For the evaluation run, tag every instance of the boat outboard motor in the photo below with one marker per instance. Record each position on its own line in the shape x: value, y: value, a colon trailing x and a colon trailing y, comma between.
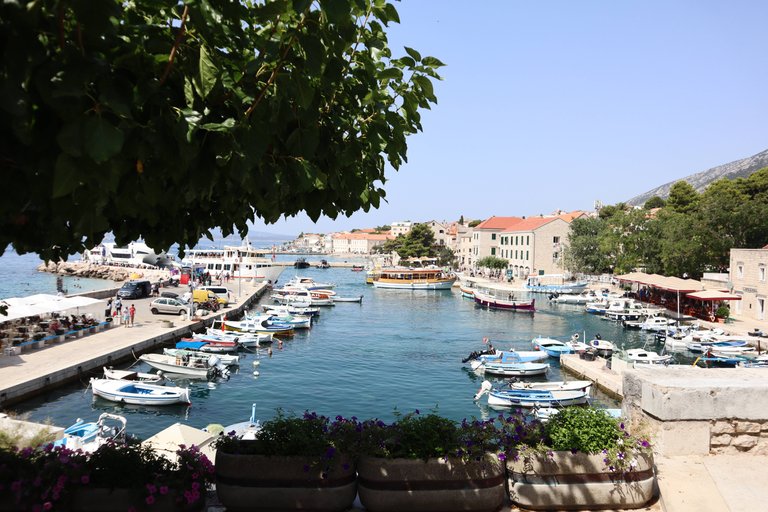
x: 470, y: 357
x: 216, y: 368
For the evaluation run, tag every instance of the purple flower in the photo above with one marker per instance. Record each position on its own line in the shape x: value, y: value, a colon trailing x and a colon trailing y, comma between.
x: 621, y: 425
x: 47, y: 505
x: 151, y: 488
x: 163, y: 490
x: 150, y: 500
x: 502, y: 456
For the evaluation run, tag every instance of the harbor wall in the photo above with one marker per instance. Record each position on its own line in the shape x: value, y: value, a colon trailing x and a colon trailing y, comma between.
x: 697, y: 411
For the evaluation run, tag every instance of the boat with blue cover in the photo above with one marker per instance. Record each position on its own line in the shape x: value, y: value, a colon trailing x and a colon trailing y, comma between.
x: 89, y: 435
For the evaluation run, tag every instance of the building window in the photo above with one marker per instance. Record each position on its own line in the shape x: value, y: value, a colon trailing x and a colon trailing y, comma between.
x: 740, y: 271
x: 526, y: 255
x: 515, y: 240
x: 555, y: 239
x: 527, y: 240
x: 761, y: 271
x: 555, y: 256
x: 493, y: 236
x: 493, y: 251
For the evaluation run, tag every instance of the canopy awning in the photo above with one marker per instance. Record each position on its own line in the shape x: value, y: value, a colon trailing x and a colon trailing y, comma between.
x: 40, y: 304
x: 672, y: 284
x: 711, y: 295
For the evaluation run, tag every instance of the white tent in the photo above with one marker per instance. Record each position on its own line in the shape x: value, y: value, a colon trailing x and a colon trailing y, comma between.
x: 40, y: 304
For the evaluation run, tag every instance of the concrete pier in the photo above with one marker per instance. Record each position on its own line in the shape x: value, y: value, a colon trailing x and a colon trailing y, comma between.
x: 609, y: 380
x: 27, y: 374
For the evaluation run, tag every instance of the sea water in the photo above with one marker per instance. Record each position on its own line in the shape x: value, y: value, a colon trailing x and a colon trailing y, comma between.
x: 396, y: 352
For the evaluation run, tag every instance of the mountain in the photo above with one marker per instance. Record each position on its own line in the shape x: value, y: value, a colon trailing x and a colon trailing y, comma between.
x: 738, y: 169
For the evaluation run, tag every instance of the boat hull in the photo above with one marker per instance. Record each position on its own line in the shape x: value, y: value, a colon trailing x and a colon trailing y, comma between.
x: 488, y: 301
x: 139, y: 394
x: 415, y: 285
x: 165, y: 364
x: 514, y: 369
x: 521, y: 398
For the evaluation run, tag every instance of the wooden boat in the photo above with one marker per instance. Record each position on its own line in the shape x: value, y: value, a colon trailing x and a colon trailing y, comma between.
x: 347, y: 299
x: 152, y: 378
x: 403, y: 278
x: 194, y: 367
x: 466, y: 292
x: 491, y: 302
x: 511, y: 369
x: 507, y: 356
x: 139, y: 393
x: 570, y: 385
x: 554, y: 348
x: 531, y: 397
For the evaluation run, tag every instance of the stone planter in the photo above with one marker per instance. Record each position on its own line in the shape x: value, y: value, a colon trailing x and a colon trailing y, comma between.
x: 578, y: 482
x: 258, y: 482
x: 100, y: 499
x: 404, y: 485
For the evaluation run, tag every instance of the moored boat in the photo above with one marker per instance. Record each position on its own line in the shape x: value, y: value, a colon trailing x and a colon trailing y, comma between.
x: 531, y: 397
x: 554, y: 283
x: 235, y: 262
x: 88, y: 436
x: 186, y: 365
x: 570, y: 385
x: 521, y: 369
x: 491, y: 302
x: 554, y: 348
x: 402, y: 278
x: 228, y: 359
x: 139, y: 393
x: 639, y: 355
x: 152, y: 378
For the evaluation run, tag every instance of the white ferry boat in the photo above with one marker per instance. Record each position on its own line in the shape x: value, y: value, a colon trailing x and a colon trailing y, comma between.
x: 414, y: 279
x: 237, y: 262
x: 134, y: 254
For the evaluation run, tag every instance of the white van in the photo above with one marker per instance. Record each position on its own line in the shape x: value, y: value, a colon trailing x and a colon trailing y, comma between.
x: 222, y: 292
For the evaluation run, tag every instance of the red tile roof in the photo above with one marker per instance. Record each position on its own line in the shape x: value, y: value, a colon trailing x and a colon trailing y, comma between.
x: 499, y: 223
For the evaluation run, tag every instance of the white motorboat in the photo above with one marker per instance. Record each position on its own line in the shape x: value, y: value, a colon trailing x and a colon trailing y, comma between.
x: 244, y: 339
x: 187, y: 365
x: 89, y: 435
x: 139, y: 393
x: 152, y: 378
x: 291, y: 309
x: 308, y: 283
x: 639, y: 355
x: 604, y: 348
x: 295, y: 321
x: 245, y: 429
x: 574, y: 298
x: 228, y: 359
x: 657, y: 323
x: 511, y: 369
x: 358, y: 299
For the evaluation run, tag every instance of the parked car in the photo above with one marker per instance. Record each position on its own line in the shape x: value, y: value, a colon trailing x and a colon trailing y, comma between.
x: 168, y: 305
x: 135, y: 290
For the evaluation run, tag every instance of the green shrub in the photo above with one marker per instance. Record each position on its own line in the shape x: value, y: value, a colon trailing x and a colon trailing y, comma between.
x: 583, y: 429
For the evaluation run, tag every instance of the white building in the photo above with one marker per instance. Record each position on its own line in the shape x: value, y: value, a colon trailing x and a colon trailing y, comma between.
x: 358, y: 243
x: 401, y: 228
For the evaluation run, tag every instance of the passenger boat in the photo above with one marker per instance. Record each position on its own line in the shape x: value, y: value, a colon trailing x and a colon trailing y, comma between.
x: 489, y: 301
x: 238, y: 262
x: 554, y: 348
x: 139, y: 393
x: 531, y: 397
x: 554, y: 283
x: 425, y: 278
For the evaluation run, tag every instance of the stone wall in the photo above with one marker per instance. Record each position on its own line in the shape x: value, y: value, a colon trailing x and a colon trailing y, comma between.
x: 695, y: 411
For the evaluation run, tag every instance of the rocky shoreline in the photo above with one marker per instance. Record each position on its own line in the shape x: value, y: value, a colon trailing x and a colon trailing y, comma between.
x: 95, y: 271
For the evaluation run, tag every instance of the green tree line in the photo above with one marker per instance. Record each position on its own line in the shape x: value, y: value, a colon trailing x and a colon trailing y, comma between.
x: 689, y: 233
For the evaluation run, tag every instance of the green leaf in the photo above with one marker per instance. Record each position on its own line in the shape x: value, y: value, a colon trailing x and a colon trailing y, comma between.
x: 66, y: 176
x: 337, y: 11
x: 70, y: 138
x: 390, y: 74
x: 208, y: 73
x: 102, y: 140
x: 224, y: 126
x: 413, y: 53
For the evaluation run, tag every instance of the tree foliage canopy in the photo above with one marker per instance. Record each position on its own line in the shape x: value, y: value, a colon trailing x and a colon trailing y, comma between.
x: 492, y: 262
x: 691, y: 234
x: 419, y: 242
x: 163, y: 119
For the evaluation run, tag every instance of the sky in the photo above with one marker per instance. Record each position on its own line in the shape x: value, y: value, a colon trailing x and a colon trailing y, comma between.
x: 548, y: 105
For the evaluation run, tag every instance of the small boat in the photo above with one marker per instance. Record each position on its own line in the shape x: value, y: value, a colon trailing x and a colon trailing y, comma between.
x: 348, y: 299
x: 358, y: 268
x: 531, y: 397
x: 554, y: 385
x: 467, y: 293
x: 323, y: 264
x: 511, y: 369
x: 639, y: 355
x: 301, y: 263
x: 227, y: 359
x: 260, y: 326
x: 491, y: 302
x: 291, y: 310
x: 152, y: 378
x: 139, y: 393
x: 307, y: 283
x: 89, y: 435
x: 244, y: 339
x: 573, y: 298
x: 186, y: 365
x: 554, y: 283
x: 554, y: 348
x: 282, y: 321
x: 504, y: 357
x: 210, y: 343
x: 604, y: 348
x: 656, y: 323
x: 703, y: 346
x: 246, y: 429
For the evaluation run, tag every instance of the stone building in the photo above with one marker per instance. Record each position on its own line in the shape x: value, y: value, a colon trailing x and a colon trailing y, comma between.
x: 748, y: 269
x: 358, y: 243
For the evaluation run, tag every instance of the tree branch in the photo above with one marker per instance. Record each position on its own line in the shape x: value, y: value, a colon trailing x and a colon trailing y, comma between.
x: 176, y: 43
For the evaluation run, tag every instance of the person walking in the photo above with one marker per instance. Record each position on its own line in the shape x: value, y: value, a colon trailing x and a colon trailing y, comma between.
x: 108, y: 310
x: 132, y: 313
x: 119, y: 306
x: 126, y: 317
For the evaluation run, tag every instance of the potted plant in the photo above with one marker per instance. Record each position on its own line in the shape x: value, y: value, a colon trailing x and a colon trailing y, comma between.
x: 427, y: 462
x: 116, y: 477
x: 294, y: 462
x: 722, y: 313
x: 585, y: 459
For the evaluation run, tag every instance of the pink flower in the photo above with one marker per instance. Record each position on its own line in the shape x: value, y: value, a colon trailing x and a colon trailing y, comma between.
x: 85, y: 479
x: 47, y: 505
x: 163, y: 490
x: 151, y: 488
x: 150, y: 500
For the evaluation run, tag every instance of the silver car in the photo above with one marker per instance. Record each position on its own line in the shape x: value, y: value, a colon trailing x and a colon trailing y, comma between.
x: 168, y: 305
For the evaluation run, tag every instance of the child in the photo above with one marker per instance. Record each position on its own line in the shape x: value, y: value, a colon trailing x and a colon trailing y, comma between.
x: 126, y: 317
x: 132, y: 313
